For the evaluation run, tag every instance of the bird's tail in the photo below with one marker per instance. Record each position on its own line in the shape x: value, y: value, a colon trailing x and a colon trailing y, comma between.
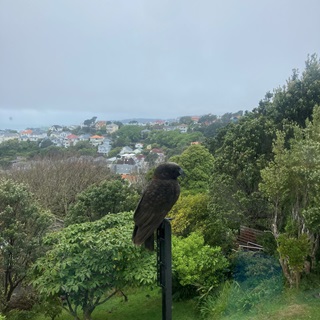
x: 148, y: 243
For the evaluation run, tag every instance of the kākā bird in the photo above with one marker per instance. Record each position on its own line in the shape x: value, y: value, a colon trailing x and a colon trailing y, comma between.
x: 157, y: 200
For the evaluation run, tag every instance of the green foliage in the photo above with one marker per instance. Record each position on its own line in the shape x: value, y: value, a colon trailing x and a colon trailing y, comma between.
x: 110, y: 196
x: 50, y: 307
x: 192, y: 213
x: 20, y: 315
x: 294, y: 250
x: 252, y: 268
x: 174, y: 142
x: 295, y: 101
x: 88, y: 263
x: 239, y: 155
x: 196, y: 264
x: 12, y: 149
x: 185, y: 120
x: 114, y: 152
x: 126, y: 135
x: 83, y: 148
x: 197, y: 163
x: 23, y: 224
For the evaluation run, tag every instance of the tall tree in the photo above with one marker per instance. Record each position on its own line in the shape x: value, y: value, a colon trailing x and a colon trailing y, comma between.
x: 22, y: 227
x: 197, y: 163
x: 291, y: 183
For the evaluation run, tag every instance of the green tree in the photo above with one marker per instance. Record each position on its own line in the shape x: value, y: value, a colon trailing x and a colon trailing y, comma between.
x: 293, y: 253
x: 197, y: 163
x: 294, y: 102
x: 110, y: 196
x: 89, y: 263
x: 12, y: 149
x: 186, y: 120
x: 240, y: 152
x: 291, y: 184
x: 126, y: 135
x: 90, y: 122
x: 192, y: 213
x: 23, y: 224
x: 84, y: 148
x: 173, y: 142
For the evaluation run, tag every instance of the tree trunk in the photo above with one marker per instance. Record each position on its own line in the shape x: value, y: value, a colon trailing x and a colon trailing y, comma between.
x: 286, y: 272
x: 87, y: 314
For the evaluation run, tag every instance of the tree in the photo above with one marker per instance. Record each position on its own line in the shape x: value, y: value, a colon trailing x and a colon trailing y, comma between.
x: 186, y: 120
x: 291, y: 184
x: 56, y: 181
x: 110, y: 196
x: 12, y: 149
x: 22, y: 227
x: 295, y: 101
x: 197, y: 163
x: 90, y: 122
x: 126, y: 135
x: 89, y: 263
x: 173, y: 141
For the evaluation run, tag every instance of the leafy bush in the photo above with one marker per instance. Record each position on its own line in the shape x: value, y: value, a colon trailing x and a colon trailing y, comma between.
x: 195, y: 265
x: 20, y: 315
x: 254, y: 267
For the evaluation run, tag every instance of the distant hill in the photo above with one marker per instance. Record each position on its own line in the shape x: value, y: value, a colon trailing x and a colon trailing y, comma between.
x: 145, y: 120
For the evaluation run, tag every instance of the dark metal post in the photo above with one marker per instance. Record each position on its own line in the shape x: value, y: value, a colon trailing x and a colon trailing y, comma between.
x: 164, y: 267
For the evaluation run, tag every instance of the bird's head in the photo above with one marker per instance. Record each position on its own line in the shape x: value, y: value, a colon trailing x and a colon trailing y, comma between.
x: 168, y: 170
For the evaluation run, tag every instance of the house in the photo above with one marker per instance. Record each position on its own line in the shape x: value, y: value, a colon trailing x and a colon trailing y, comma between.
x: 56, y: 128
x: 30, y: 135
x: 138, y: 145
x: 70, y: 140
x: 126, y: 149
x: 100, y: 124
x: 105, y: 147
x: 112, y: 127
x: 123, y: 168
x: 96, y: 140
x: 84, y: 137
x: 170, y: 128
x: 183, y: 128
x: 159, y: 153
x: 195, y: 119
x: 5, y: 136
x: 130, y: 178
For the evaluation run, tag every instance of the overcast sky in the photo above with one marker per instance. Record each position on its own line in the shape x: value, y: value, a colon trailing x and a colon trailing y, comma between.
x: 65, y: 61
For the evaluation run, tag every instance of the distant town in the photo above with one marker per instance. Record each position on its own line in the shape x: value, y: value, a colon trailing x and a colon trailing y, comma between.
x: 129, y: 158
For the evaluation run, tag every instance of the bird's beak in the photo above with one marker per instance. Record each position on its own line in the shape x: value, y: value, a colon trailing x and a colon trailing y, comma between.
x: 182, y: 173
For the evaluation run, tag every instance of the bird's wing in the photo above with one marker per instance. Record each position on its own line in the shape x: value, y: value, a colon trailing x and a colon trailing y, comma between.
x: 156, y: 201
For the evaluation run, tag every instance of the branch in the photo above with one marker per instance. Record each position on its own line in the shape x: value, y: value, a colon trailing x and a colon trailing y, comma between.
x: 107, y: 298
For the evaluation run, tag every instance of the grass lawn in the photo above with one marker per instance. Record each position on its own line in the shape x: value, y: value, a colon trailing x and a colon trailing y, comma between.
x: 145, y: 304
x: 291, y: 305
x: 142, y: 304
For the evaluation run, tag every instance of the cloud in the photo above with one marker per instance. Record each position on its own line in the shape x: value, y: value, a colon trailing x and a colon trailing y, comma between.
x: 160, y: 58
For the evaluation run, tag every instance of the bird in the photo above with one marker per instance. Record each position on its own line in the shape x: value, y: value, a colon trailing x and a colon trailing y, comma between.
x: 156, y: 201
